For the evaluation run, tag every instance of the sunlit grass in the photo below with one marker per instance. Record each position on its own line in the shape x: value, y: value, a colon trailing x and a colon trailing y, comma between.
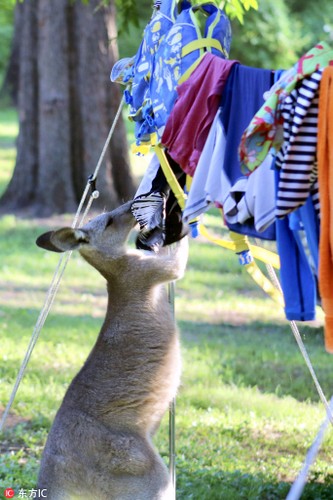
x: 7, y: 161
x: 8, y: 133
x: 8, y: 125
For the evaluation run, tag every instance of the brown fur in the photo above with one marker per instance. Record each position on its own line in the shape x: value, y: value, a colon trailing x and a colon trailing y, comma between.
x: 100, y: 443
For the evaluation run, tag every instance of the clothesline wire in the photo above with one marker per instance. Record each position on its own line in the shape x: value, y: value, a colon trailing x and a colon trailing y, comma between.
x: 50, y: 296
x: 296, y: 490
x: 172, y: 407
x: 60, y: 269
x: 298, y: 486
x: 300, y: 343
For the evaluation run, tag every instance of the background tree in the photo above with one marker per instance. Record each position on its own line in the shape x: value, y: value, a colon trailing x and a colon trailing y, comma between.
x: 66, y: 104
x: 65, y: 100
x: 265, y: 38
x: 280, y: 32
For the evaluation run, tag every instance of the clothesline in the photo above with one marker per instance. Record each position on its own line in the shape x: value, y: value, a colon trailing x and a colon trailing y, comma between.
x: 208, y: 137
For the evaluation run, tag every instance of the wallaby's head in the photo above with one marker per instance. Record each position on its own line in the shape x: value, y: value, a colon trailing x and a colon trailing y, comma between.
x: 100, y: 241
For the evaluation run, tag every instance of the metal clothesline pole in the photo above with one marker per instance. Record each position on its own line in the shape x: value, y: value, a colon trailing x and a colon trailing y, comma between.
x: 172, y: 409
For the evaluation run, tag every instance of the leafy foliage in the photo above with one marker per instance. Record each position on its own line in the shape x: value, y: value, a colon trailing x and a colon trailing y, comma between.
x: 270, y: 38
x: 6, y: 32
x: 315, y: 19
x: 129, y: 11
x: 237, y: 8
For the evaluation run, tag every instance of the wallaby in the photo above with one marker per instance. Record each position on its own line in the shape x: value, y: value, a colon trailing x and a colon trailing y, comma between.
x: 99, y: 446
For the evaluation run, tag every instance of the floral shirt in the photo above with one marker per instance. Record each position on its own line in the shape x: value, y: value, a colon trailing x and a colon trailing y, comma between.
x: 265, y: 130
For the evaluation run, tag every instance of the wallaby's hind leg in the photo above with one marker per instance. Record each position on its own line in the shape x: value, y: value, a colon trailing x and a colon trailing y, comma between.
x: 104, y: 464
x: 122, y: 487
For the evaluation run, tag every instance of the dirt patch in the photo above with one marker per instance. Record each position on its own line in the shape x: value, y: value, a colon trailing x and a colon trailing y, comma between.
x: 11, y: 441
x: 12, y: 420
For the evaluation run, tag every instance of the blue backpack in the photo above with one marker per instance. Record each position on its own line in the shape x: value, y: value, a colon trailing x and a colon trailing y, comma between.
x: 174, y: 41
x: 197, y: 30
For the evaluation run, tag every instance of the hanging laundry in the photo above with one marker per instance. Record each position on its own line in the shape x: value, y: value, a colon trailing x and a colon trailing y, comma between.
x: 207, y: 184
x: 265, y: 130
x: 306, y: 220
x: 254, y: 198
x: 146, y: 184
x: 297, y: 157
x: 190, y: 120
x: 199, y: 106
x: 297, y: 278
x: 156, y: 209
x: 325, y: 176
x: 211, y: 185
x: 218, y: 169
x: 241, y: 99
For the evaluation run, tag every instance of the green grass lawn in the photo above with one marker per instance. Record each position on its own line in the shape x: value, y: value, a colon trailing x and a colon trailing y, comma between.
x: 247, y: 409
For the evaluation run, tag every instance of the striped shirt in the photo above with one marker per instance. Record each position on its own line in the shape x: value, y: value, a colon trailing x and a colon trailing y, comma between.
x: 297, y: 158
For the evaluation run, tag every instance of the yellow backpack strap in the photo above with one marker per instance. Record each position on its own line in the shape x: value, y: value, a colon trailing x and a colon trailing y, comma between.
x: 140, y: 149
x: 237, y: 244
x: 261, y: 280
x: 188, y: 183
x: 244, y: 251
x: 266, y: 256
x: 170, y: 177
x: 203, y: 43
x: 199, y: 44
x: 185, y: 76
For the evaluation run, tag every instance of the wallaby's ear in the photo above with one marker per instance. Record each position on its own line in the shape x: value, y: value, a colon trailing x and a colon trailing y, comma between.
x: 62, y: 240
x: 44, y: 241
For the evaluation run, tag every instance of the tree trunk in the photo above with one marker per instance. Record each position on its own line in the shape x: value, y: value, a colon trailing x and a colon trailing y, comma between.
x: 66, y: 106
x: 92, y: 80
x: 54, y: 190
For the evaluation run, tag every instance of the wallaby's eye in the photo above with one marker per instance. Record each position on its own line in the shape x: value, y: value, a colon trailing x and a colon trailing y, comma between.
x: 109, y: 222
x: 81, y: 236
x: 83, y: 239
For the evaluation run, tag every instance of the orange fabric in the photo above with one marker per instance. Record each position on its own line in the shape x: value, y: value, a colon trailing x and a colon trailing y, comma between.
x: 325, y: 176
